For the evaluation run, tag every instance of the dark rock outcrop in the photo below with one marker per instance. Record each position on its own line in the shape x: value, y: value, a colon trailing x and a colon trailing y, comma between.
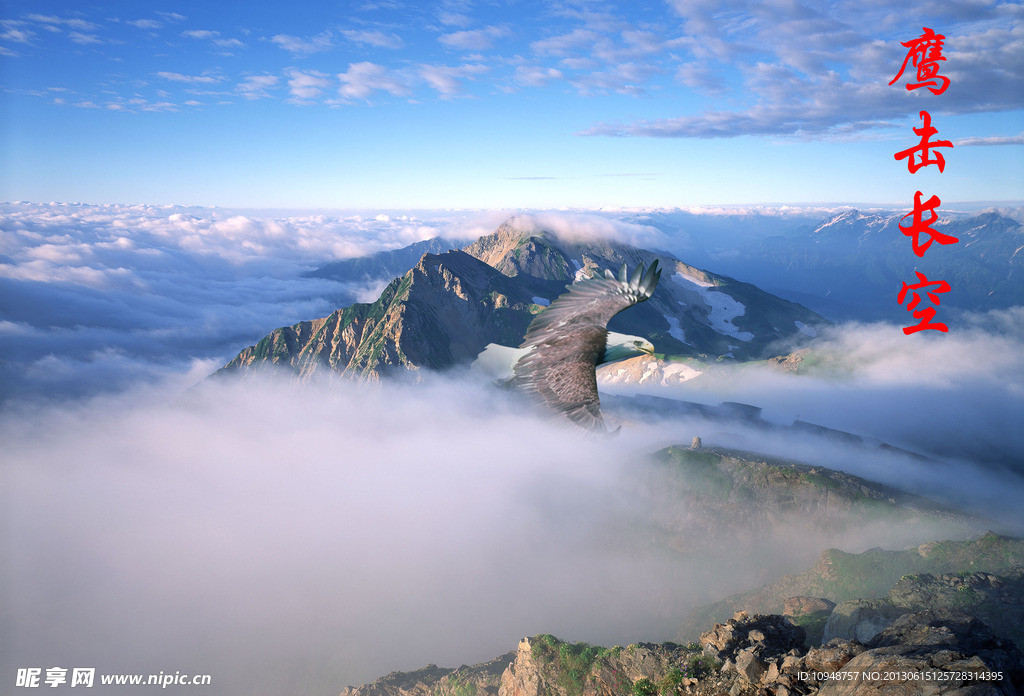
x: 996, y: 599
x: 441, y: 313
x: 860, y: 619
x: 840, y: 576
x: 932, y: 652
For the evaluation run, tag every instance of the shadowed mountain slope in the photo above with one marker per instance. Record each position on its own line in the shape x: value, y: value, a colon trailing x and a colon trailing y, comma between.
x: 445, y: 310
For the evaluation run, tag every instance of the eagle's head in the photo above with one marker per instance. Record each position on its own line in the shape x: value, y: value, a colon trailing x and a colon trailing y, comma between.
x: 621, y: 346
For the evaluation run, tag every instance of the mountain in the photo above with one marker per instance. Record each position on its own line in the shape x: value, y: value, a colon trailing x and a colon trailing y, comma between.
x: 441, y: 313
x: 840, y: 576
x: 852, y: 265
x: 384, y: 264
x: 447, y: 308
x: 928, y: 639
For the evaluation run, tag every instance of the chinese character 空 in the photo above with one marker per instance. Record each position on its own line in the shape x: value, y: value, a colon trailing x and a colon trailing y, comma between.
x: 918, y: 226
x: 925, y: 315
x: 924, y: 54
x: 921, y: 150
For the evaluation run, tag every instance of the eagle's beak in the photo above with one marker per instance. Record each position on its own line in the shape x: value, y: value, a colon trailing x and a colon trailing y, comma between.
x: 647, y: 347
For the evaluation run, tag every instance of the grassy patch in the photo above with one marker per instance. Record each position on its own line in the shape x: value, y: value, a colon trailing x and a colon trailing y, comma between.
x: 570, y: 663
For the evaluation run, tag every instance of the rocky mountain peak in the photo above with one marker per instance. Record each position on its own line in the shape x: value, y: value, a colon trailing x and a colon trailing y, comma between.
x: 445, y: 309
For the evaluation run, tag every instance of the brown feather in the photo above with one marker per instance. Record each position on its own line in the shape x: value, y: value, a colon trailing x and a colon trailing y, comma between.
x: 567, y: 340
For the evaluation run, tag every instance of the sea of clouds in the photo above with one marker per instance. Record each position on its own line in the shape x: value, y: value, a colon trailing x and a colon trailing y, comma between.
x: 297, y: 538
x: 103, y: 297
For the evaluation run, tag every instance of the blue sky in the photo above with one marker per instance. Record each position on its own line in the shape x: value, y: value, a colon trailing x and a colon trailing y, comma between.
x: 500, y: 104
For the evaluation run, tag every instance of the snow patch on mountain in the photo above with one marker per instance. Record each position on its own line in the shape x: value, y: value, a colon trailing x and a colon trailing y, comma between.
x: 675, y: 331
x: 723, y: 308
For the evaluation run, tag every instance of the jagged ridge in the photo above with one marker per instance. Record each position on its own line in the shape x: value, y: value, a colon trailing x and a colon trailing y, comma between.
x: 449, y: 306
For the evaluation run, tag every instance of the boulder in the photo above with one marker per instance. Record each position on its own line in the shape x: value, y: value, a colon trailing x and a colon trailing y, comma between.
x: 764, y: 636
x: 860, y: 619
x: 749, y: 666
x: 932, y: 652
x: 798, y: 606
x: 832, y: 656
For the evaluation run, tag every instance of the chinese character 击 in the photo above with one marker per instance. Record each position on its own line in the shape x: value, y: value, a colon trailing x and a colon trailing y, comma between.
x: 925, y: 315
x: 83, y: 676
x: 919, y: 227
x: 925, y: 131
x: 924, y: 54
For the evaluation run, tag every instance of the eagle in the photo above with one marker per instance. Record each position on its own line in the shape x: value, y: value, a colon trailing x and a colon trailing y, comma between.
x: 565, y: 343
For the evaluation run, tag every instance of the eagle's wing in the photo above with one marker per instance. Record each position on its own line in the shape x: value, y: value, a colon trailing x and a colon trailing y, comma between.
x: 567, y: 340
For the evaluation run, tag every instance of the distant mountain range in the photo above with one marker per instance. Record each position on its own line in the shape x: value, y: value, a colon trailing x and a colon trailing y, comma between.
x: 852, y: 265
x: 445, y: 309
x: 384, y: 264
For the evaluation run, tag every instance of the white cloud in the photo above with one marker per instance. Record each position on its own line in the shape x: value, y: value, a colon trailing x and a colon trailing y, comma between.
x: 145, y: 23
x: 257, y: 86
x: 54, y: 21
x: 535, y: 75
x: 84, y: 39
x: 373, y: 38
x: 701, y: 76
x: 15, y: 34
x: 160, y: 286
x: 582, y: 227
x: 819, y: 72
x: 213, y: 37
x: 454, y: 19
x: 473, y: 39
x: 566, y: 43
x: 447, y: 80
x: 204, y: 79
x: 626, y: 78
x: 993, y: 140
x: 201, y: 34
x: 307, y: 85
x: 362, y: 79
x: 305, y: 46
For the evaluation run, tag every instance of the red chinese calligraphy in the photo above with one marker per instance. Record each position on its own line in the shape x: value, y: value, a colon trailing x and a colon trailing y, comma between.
x: 924, y: 54
x: 917, y: 156
x: 919, y: 226
x: 927, y: 314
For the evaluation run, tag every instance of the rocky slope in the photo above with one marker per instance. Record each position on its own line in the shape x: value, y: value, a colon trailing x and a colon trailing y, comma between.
x: 479, y: 680
x: 442, y: 312
x: 839, y: 577
x: 931, y: 644
x: 937, y: 651
x: 997, y: 599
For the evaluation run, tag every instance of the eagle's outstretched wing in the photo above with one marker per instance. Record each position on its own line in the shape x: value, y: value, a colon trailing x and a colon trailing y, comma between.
x: 567, y: 341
